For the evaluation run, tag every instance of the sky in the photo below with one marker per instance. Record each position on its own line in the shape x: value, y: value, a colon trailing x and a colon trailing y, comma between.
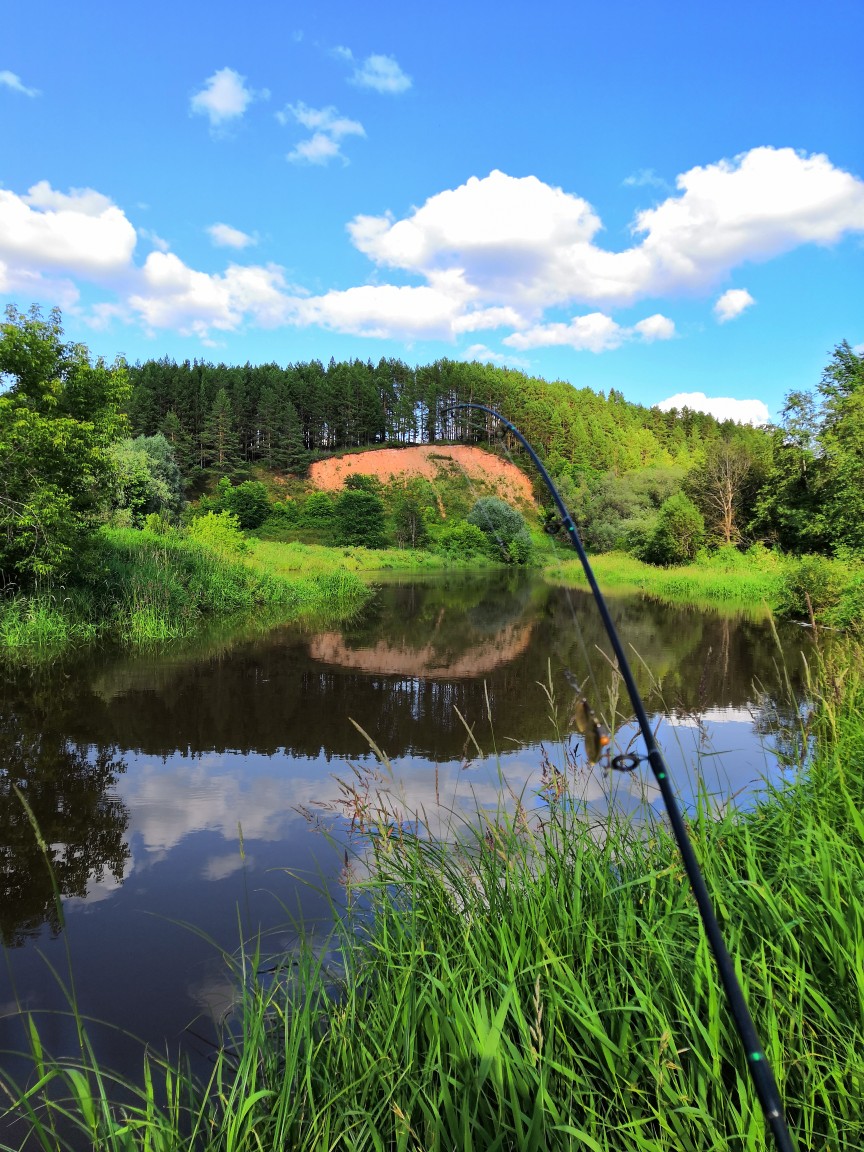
x: 661, y: 197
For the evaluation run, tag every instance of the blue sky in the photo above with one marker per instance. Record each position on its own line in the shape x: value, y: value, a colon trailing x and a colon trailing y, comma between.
x: 662, y: 197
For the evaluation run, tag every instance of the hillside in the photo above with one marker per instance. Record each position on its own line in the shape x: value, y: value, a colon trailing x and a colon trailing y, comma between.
x: 494, y: 475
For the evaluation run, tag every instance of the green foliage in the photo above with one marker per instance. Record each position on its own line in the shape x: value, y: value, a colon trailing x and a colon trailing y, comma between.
x: 504, y: 527
x: 813, y: 499
x: 317, y: 510
x: 618, y: 511
x: 147, y: 479
x: 58, y: 417
x: 678, y: 533
x: 462, y: 541
x: 360, y: 482
x: 248, y: 501
x: 219, y: 531
x: 409, y: 523
x: 360, y: 519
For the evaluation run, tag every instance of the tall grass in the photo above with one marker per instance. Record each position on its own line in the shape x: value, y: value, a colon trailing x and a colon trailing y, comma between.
x: 142, y: 587
x: 717, y: 580
x: 540, y: 981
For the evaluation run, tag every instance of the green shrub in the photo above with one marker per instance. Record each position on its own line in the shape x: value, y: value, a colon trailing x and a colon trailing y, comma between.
x: 504, y: 528
x: 219, y: 531
x: 318, y: 510
x: 360, y: 519
x: 248, y: 501
x: 461, y: 540
x: 678, y: 533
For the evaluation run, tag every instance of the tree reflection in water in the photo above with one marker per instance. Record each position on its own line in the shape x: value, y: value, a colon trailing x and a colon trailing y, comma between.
x: 67, y: 787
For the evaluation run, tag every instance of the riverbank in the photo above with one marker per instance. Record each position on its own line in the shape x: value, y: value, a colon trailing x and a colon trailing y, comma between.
x: 141, y: 587
x: 816, y: 589
x: 528, y: 983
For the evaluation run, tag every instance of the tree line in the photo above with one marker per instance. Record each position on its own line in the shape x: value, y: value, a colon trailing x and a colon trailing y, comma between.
x: 221, y: 418
x: 80, y: 438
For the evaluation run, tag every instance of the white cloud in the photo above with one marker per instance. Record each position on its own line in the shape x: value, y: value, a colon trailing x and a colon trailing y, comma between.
x: 10, y: 80
x: 592, y: 333
x: 224, y: 236
x: 500, y: 252
x: 172, y: 295
x: 224, y: 97
x: 384, y: 311
x: 523, y: 242
x: 595, y: 332
x: 732, y: 304
x: 328, y: 128
x: 722, y: 407
x: 655, y: 327
x: 318, y: 149
x: 154, y: 238
x: 486, y: 356
x: 645, y: 178
x: 383, y: 74
x: 81, y: 232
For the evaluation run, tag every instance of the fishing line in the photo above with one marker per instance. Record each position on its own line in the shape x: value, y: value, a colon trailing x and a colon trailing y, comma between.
x: 758, y: 1065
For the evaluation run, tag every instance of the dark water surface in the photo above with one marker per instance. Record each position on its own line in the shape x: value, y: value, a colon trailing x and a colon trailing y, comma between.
x: 171, y: 788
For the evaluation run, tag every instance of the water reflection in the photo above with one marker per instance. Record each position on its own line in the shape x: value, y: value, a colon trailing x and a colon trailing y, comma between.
x: 66, y: 786
x: 172, y: 786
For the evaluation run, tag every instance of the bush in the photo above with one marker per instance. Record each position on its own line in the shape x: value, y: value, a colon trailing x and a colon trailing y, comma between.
x: 812, y: 586
x: 678, y: 534
x: 504, y: 528
x: 360, y: 519
x: 462, y: 540
x: 219, y: 531
x: 248, y: 501
x: 318, y: 510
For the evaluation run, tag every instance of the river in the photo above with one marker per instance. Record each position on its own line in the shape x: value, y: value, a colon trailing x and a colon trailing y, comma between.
x: 194, y: 796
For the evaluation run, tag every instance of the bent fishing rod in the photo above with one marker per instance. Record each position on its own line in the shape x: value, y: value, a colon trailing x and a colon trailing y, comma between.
x: 758, y: 1065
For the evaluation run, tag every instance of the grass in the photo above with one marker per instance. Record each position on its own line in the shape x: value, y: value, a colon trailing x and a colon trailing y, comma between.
x: 539, y: 981
x: 718, y: 580
x: 142, y: 588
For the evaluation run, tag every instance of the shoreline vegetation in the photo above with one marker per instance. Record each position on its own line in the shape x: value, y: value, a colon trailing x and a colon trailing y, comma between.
x: 145, y: 587
x: 537, y: 979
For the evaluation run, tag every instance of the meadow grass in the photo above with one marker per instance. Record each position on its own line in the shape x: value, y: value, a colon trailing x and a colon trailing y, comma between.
x: 711, y: 582
x: 143, y: 588
x: 539, y: 980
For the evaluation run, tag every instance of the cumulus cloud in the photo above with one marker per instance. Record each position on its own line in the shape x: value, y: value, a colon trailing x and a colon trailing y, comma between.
x: 595, y: 332
x: 328, y: 129
x: 172, y: 295
x: 224, y: 98
x: 535, y: 245
x: 224, y: 236
x: 382, y: 74
x: 10, y: 80
x: 732, y: 304
x: 655, y: 327
x: 722, y: 407
x: 498, y: 252
x: 80, y: 232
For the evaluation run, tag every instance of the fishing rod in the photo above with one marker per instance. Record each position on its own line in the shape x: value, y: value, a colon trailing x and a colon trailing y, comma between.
x: 758, y: 1065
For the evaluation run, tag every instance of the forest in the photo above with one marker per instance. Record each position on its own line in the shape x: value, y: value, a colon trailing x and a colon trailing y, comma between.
x: 85, y: 444
x: 798, y: 485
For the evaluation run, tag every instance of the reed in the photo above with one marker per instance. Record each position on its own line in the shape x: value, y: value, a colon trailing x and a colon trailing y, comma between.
x: 539, y: 980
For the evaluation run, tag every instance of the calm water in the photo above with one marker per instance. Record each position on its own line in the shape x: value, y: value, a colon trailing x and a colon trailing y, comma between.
x: 174, y: 789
